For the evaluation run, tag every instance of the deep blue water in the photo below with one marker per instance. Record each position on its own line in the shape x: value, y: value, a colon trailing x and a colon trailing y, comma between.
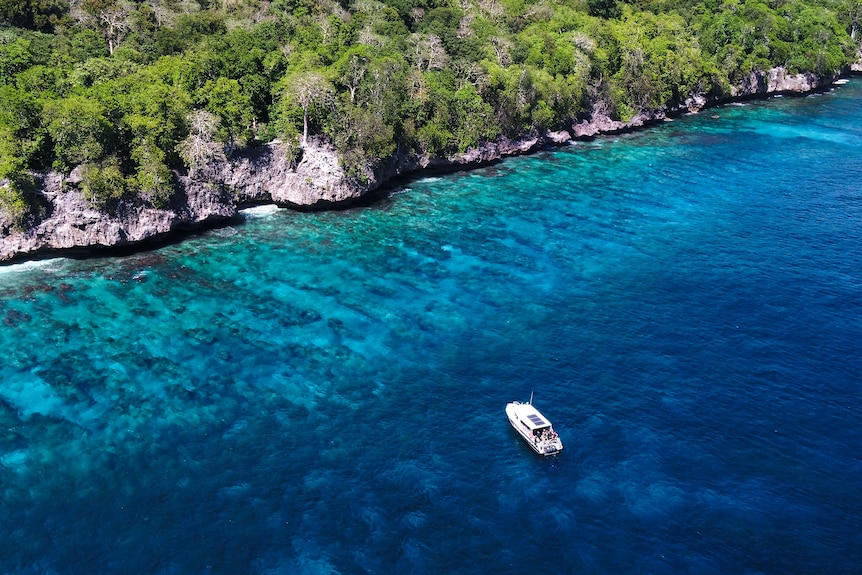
x: 324, y: 393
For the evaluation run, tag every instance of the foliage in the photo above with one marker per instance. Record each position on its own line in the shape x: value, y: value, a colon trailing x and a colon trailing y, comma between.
x: 199, y: 149
x: 138, y: 90
x: 79, y: 130
x: 310, y: 91
x: 104, y: 183
x: 224, y: 98
x: 15, y: 182
x: 152, y: 176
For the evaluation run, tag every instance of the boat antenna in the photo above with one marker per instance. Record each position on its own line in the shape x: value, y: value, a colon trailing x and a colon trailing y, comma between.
x: 531, y: 397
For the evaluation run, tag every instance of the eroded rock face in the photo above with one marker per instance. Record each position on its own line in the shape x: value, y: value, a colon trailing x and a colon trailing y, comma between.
x: 487, y: 152
x: 262, y: 175
x: 266, y: 174
x: 776, y: 81
x: 73, y: 223
x: 600, y: 123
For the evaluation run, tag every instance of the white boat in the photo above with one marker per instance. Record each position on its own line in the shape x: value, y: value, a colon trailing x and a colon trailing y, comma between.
x: 534, y: 427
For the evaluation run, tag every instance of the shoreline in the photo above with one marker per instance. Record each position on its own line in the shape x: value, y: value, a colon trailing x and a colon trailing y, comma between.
x: 75, y: 230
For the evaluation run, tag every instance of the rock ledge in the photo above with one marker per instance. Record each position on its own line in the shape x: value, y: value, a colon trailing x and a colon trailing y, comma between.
x: 316, y: 181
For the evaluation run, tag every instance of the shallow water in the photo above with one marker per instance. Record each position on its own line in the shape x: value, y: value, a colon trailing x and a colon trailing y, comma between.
x: 324, y: 393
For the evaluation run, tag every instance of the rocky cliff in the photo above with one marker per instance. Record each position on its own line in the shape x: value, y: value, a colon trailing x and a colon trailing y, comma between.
x: 757, y: 84
x: 264, y: 174
x: 70, y: 223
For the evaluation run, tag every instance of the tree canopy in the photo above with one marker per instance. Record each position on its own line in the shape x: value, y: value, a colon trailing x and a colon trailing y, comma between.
x: 135, y: 90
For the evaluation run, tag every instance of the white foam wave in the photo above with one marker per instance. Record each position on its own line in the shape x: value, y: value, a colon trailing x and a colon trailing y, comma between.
x: 48, y: 264
x: 260, y: 211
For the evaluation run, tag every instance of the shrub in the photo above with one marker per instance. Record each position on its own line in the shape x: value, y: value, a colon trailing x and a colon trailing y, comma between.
x: 104, y: 184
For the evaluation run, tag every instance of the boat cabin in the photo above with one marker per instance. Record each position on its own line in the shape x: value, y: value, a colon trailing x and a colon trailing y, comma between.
x: 532, y: 421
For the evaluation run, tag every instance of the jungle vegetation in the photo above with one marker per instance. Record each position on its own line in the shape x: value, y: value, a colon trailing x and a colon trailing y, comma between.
x: 136, y: 91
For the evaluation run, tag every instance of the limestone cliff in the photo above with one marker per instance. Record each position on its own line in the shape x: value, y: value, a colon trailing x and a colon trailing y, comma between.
x: 316, y: 180
x: 756, y: 84
x: 261, y: 175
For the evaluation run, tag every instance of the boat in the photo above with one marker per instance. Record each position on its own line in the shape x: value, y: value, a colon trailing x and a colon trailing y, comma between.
x: 534, y: 427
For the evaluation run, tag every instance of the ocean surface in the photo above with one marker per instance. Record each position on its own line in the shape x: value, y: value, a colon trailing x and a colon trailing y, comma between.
x: 324, y: 393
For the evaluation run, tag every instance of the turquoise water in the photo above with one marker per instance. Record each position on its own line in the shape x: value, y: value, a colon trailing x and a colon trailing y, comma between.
x: 324, y: 393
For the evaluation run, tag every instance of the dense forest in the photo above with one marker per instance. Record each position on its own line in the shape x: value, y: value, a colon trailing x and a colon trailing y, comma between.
x: 134, y: 92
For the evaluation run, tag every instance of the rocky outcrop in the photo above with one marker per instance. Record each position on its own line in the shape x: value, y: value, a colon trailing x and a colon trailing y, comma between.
x: 262, y: 175
x: 778, y: 81
x: 313, y: 180
x: 756, y: 84
x: 71, y: 223
x: 267, y: 174
x: 598, y: 122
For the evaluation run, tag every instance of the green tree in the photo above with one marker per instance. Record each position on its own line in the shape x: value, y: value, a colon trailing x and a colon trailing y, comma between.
x: 352, y: 67
x: 473, y: 117
x: 15, y: 182
x: 104, y: 183
x: 20, y: 120
x: 152, y: 178
x: 79, y: 130
x: 308, y: 90
x: 154, y: 111
x: 820, y: 43
x: 364, y: 141
x: 15, y: 57
x: 225, y: 99
x: 603, y: 8
x: 40, y: 15
x: 200, y: 150
x: 111, y: 18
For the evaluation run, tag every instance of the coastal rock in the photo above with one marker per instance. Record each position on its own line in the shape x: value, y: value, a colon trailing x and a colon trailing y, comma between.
x: 776, y: 81
x: 73, y: 223
x: 695, y: 103
x: 560, y: 137
x: 493, y: 151
x: 485, y: 153
x: 312, y: 180
x: 261, y: 175
x: 266, y: 174
x: 600, y: 123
